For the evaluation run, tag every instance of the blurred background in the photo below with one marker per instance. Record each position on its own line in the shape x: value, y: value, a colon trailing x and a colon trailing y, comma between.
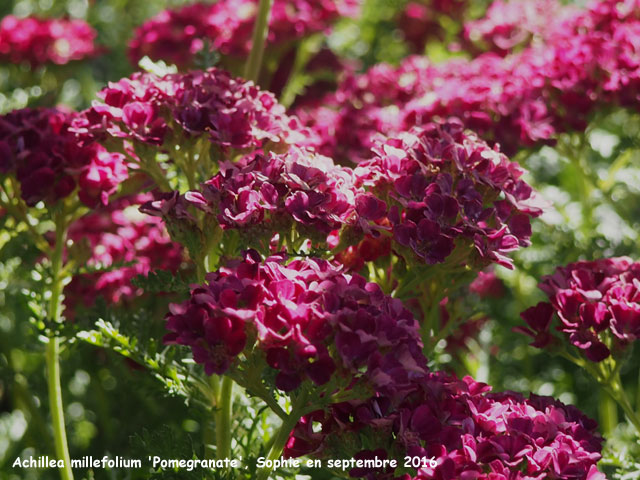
x: 113, y: 407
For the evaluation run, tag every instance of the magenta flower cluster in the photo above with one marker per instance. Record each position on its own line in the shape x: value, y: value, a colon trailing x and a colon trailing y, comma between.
x: 307, y: 318
x: 597, y: 304
x: 508, y: 25
x: 38, y: 147
x: 118, y: 234
x: 430, y: 189
x: 470, y: 433
x: 265, y: 194
x: 369, y: 249
x: 226, y: 26
x: 443, y: 186
x: 38, y: 41
x: 153, y: 110
x: 523, y: 99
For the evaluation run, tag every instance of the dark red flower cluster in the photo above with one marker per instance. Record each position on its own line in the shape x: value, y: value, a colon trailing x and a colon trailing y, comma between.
x: 365, y: 107
x: 37, y: 146
x: 370, y: 248
x: 468, y: 432
x: 447, y: 189
x: 522, y: 99
x: 508, y: 25
x: 265, y: 194
x: 597, y: 303
x: 150, y: 109
x: 276, y: 190
x: 310, y: 321
x: 45, y: 40
x: 118, y: 234
x: 177, y: 35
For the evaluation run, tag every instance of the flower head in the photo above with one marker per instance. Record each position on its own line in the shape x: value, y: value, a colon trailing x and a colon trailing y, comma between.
x: 446, y: 188
x: 153, y: 110
x: 307, y: 319
x: 176, y: 35
x: 262, y: 195
x: 49, y: 161
x: 594, y: 301
x: 38, y: 41
x: 458, y: 430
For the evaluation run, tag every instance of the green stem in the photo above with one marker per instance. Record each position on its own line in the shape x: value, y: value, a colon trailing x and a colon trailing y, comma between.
x: 261, y: 392
x: 611, y: 383
x: 53, y: 353
x: 209, y: 432
x: 260, y: 31
x: 617, y: 392
x: 223, y: 419
x: 608, y: 413
x: 638, y: 392
x: 153, y: 169
x: 282, y: 435
x: 576, y: 155
x: 57, y: 409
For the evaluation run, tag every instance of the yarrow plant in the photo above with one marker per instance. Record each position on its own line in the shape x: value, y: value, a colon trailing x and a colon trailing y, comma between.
x: 48, y: 174
x: 41, y: 152
x: 597, y: 304
x: 446, y: 189
x: 523, y: 99
x: 218, y: 115
x: 225, y: 27
x: 306, y: 319
x: 38, y: 41
x: 121, y: 244
x: 287, y: 198
x: 450, y: 428
x: 322, y: 257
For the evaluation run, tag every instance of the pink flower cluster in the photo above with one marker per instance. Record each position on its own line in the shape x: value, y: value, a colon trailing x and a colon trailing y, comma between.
x: 38, y: 41
x: 597, y: 303
x: 468, y: 432
x: 444, y: 186
x: 274, y: 191
x: 508, y: 25
x: 154, y: 110
x: 370, y: 248
x: 308, y: 319
x: 267, y: 194
x: 177, y: 35
x: 38, y: 147
x: 118, y: 234
x: 523, y: 99
x: 433, y: 189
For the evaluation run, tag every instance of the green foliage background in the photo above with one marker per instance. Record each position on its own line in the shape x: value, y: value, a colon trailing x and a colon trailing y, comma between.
x: 116, y: 406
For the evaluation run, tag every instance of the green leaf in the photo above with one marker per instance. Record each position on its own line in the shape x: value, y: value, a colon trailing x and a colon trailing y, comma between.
x: 162, y: 281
